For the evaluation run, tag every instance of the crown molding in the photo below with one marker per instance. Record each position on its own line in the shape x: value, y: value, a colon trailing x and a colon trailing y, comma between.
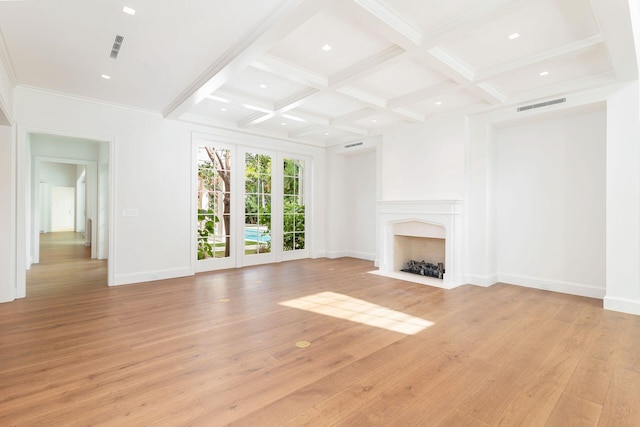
x: 86, y: 99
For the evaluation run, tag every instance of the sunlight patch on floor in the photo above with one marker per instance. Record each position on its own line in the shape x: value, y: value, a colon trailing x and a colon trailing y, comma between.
x: 345, y: 307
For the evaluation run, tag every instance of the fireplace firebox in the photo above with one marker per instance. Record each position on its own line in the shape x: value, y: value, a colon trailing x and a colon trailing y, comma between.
x: 421, y: 231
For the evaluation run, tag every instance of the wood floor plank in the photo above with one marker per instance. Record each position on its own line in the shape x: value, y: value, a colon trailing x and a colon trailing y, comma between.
x: 622, y: 405
x: 574, y: 412
x: 219, y: 348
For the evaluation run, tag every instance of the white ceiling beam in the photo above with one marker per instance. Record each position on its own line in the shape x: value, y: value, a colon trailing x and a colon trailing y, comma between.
x: 248, y: 102
x: 619, y: 34
x: 422, y: 94
x: 307, y: 130
x: 353, y: 116
x: 452, y: 61
x: 392, y: 19
x: 363, y: 96
x: 353, y: 129
x: 471, y: 18
x: 255, y: 44
x: 464, y: 80
x: 366, y: 66
x: 295, y: 100
x: 280, y: 68
x: 537, y: 58
x: 562, y: 89
x: 254, y: 119
x: 411, y: 115
x: 312, y: 118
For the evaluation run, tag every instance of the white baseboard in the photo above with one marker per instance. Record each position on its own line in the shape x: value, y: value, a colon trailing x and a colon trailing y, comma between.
x: 336, y: 254
x: 624, y: 305
x: 361, y: 255
x: 483, y: 281
x: 350, y: 254
x: 148, y: 276
x: 553, y: 285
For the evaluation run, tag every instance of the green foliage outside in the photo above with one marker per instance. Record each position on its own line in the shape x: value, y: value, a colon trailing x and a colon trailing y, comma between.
x: 257, y: 202
x: 207, y: 220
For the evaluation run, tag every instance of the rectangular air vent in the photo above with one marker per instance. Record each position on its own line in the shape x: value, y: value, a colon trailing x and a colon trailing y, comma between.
x: 356, y: 144
x: 116, y: 46
x: 542, y: 104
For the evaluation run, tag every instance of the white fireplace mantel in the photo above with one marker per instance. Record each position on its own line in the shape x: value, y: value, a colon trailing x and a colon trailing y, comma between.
x: 444, y: 213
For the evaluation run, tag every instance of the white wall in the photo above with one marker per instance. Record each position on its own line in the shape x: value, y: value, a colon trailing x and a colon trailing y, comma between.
x: 425, y: 161
x: 150, y: 158
x: 335, y: 207
x: 7, y: 237
x: 623, y: 200
x: 102, y: 214
x: 360, y: 214
x: 52, y: 175
x: 153, y: 163
x: 58, y: 174
x: 8, y: 234
x: 550, y: 204
x: 6, y: 90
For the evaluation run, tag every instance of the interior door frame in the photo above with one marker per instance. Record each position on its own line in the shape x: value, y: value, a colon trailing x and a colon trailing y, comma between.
x: 24, y: 194
x: 92, y: 170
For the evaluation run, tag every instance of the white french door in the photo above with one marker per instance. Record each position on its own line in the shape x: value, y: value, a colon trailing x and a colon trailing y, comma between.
x: 261, y: 207
x: 215, y: 238
x: 250, y: 206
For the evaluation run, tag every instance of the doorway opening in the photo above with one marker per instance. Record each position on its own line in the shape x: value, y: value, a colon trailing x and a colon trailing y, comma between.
x: 68, y: 216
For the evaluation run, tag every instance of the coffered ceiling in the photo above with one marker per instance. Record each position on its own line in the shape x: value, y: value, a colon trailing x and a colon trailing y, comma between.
x: 319, y: 71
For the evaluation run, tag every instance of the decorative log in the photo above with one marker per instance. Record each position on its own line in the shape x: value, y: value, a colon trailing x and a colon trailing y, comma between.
x: 425, y: 269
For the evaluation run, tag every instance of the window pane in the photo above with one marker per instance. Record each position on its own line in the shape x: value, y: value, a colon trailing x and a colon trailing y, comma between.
x: 293, y: 208
x: 257, y: 237
x: 214, y: 202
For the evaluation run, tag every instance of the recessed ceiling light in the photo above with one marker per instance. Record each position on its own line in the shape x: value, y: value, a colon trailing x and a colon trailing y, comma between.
x: 129, y: 11
x: 439, y: 103
x: 326, y: 133
x: 326, y: 47
x: 513, y: 36
x: 283, y: 124
x: 106, y: 77
x: 223, y: 109
x: 373, y: 121
x: 544, y: 73
x: 263, y: 86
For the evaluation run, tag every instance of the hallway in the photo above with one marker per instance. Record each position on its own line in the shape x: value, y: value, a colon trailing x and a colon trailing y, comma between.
x: 65, y: 267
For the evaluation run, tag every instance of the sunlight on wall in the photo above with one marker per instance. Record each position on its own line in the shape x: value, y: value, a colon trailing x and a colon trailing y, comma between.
x: 356, y: 310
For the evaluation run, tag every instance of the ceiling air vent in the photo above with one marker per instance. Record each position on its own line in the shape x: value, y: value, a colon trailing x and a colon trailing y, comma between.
x: 116, y: 46
x: 542, y: 104
x: 356, y: 144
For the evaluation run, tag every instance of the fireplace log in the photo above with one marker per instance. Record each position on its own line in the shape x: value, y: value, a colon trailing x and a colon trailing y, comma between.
x: 424, y: 268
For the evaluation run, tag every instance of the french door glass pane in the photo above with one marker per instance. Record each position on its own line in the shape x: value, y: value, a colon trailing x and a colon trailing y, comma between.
x: 293, y: 215
x: 257, y: 204
x: 214, y: 203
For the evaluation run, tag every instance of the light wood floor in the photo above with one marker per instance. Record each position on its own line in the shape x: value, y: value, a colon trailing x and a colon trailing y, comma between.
x: 219, y: 349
